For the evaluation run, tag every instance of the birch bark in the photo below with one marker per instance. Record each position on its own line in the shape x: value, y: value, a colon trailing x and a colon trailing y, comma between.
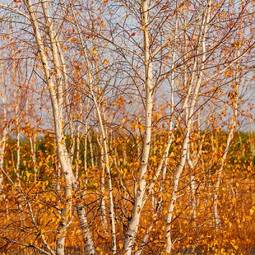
x: 140, y: 192
x: 103, y: 134
x: 189, y: 106
x: 233, y: 124
x: 56, y: 96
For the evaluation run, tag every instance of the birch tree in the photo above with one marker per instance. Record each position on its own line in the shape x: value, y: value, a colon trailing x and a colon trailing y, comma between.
x: 56, y: 94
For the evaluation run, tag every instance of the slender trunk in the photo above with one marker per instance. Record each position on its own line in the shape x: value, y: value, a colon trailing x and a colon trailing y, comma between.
x: 85, y: 153
x: 149, y: 191
x: 77, y: 156
x: 189, y: 107
x: 72, y: 138
x: 85, y: 150
x: 140, y: 193
x: 171, y: 124
x: 216, y: 215
x: 219, y: 177
x: 56, y: 96
x: 177, y: 176
x: 32, y: 141
x: 89, y: 248
x: 192, y: 184
x: 58, y: 186
x: 91, y: 150
x: 102, y: 187
x: 114, y: 150
x: 104, y: 138
x: 108, y: 172
x: 233, y: 98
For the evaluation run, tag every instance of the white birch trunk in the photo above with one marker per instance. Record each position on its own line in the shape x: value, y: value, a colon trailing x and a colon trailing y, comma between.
x: 87, y: 236
x: 85, y: 150
x: 91, y: 151
x: 57, y: 108
x: 102, y: 187
x: 216, y: 215
x: 140, y: 192
x: 177, y: 176
x: 104, y: 138
x: 77, y: 159
x: 108, y: 172
x: 193, y: 201
x: 32, y: 141
x: 189, y: 106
